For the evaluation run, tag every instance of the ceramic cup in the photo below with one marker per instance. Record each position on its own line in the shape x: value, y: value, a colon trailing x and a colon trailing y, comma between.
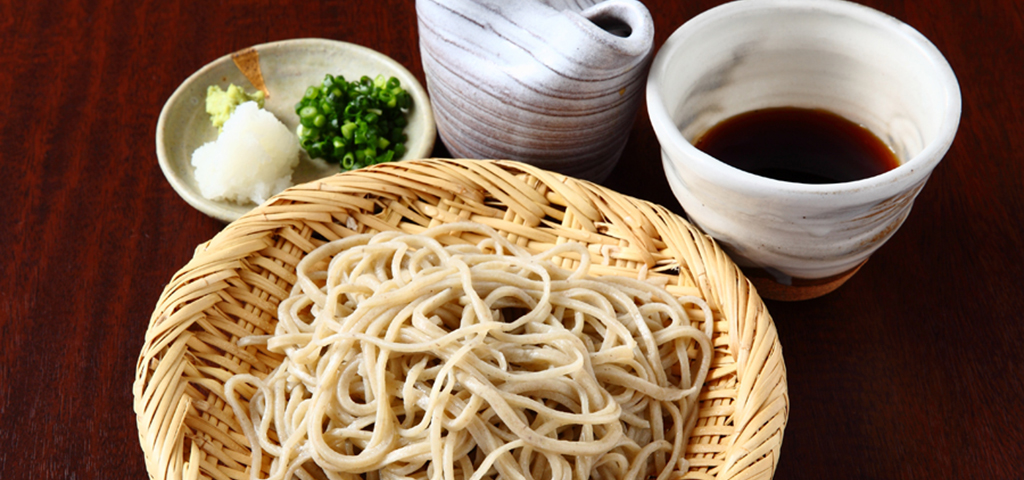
x: 794, y: 240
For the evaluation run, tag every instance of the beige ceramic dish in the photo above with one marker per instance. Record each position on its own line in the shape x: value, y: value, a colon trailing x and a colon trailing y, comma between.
x: 288, y: 68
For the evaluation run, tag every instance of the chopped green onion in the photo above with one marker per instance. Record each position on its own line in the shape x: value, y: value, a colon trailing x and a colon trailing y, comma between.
x: 348, y: 161
x: 348, y: 129
x: 354, y: 123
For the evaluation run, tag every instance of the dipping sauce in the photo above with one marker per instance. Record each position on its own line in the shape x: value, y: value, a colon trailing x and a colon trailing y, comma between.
x: 798, y: 145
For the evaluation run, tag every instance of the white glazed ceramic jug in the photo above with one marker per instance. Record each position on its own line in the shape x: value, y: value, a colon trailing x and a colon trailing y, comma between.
x: 552, y: 83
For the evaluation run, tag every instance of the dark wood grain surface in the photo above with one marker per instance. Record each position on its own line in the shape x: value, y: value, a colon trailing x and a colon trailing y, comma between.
x: 913, y: 370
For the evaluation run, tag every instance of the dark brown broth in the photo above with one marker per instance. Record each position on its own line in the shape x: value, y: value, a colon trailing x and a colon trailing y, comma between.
x: 798, y: 145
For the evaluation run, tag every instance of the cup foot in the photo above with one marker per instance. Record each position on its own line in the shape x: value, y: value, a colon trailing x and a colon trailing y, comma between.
x: 769, y: 287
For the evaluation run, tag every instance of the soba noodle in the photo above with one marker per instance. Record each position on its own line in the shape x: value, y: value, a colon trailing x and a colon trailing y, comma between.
x: 406, y: 358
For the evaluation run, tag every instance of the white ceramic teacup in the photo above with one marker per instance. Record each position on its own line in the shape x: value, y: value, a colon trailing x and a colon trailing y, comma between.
x: 800, y: 240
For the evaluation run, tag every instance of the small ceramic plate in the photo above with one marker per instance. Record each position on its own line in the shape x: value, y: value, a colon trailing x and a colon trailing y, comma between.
x: 288, y: 68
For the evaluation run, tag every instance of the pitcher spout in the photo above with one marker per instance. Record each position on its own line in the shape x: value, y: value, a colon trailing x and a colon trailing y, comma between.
x: 624, y: 27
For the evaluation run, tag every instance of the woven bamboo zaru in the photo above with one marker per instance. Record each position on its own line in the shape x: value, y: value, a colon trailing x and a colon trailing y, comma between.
x: 233, y: 284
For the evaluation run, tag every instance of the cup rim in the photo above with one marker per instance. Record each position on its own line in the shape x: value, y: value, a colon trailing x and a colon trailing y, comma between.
x: 921, y: 165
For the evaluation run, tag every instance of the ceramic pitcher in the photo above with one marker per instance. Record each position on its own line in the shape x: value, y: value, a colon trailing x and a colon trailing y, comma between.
x: 553, y: 83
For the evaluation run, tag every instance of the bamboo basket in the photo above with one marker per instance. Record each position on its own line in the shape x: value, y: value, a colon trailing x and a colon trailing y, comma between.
x: 234, y: 282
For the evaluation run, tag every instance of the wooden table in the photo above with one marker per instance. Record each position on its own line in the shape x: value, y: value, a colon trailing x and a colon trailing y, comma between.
x: 913, y: 369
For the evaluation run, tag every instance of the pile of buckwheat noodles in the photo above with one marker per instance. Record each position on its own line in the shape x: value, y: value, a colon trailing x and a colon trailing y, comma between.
x: 406, y: 358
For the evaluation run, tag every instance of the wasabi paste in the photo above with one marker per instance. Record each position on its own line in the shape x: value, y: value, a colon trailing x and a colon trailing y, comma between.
x: 220, y: 104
